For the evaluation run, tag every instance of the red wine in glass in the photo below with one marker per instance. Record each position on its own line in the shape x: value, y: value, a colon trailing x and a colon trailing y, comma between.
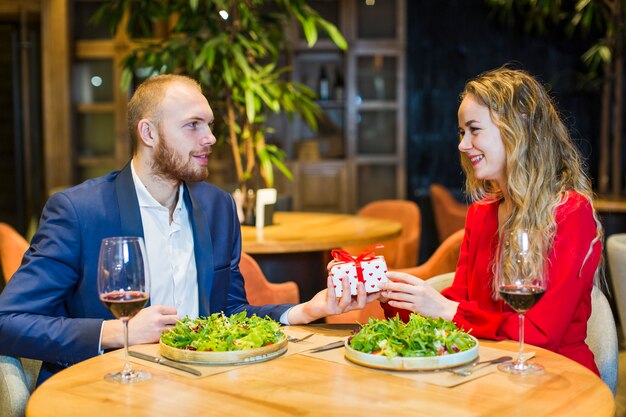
x: 521, y: 298
x: 521, y: 274
x: 123, y: 287
x: 125, y: 304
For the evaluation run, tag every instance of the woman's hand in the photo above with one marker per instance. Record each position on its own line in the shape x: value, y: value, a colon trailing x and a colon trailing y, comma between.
x: 414, y: 294
x: 325, y: 303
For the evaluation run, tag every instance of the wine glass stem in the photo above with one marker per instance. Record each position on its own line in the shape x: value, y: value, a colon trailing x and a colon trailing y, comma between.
x: 127, y: 368
x: 520, y: 356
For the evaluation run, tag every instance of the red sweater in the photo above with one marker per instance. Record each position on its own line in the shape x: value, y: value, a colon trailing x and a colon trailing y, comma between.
x: 558, y: 322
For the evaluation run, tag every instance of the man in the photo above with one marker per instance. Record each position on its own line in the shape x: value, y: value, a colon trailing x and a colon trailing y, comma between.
x: 50, y: 308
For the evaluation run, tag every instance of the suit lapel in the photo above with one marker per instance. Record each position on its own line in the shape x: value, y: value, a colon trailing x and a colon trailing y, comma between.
x: 203, y: 250
x: 130, y: 215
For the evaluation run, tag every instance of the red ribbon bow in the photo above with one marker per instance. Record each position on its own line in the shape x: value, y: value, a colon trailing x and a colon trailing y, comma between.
x: 367, y: 255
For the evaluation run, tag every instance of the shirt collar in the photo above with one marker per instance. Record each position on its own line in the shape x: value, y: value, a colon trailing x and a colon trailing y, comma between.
x: 144, y: 197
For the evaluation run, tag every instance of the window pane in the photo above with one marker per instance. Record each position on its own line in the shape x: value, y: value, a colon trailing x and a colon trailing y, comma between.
x: 376, y: 77
x: 376, y: 131
x: 376, y: 19
x: 376, y: 182
x: 95, y: 134
x: 93, y: 81
x: 84, y: 29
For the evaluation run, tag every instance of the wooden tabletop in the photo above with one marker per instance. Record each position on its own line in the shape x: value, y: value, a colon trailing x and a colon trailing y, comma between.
x: 310, y: 232
x: 610, y: 205
x: 307, y: 386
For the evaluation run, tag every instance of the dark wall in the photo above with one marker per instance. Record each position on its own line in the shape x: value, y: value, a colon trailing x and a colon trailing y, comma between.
x: 448, y: 43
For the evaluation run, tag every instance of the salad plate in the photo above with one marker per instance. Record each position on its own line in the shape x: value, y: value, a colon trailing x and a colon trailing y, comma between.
x: 399, y: 363
x: 233, y: 357
x: 222, y: 340
x: 421, y: 344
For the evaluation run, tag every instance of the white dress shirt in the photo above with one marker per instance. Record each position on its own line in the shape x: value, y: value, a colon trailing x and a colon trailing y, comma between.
x: 171, y: 259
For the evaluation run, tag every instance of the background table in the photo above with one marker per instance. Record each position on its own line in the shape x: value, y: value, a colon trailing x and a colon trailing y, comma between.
x: 307, y: 386
x: 297, y: 246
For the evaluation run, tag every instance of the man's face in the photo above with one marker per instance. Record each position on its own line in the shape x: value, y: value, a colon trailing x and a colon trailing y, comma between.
x: 184, y: 135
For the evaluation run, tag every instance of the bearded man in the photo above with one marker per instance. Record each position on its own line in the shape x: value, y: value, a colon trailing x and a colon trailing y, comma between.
x: 50, y: 308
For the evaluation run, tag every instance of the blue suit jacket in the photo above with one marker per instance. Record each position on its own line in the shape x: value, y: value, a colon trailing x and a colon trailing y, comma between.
x: 50, y: 309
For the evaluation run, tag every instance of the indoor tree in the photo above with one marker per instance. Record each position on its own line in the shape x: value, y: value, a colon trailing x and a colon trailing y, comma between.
x: 233, y: 48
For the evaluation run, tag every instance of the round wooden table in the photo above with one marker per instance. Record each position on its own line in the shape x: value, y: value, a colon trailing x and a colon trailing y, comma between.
x: 294, y: 232
x: 307, y: 386
x: 297, y: 246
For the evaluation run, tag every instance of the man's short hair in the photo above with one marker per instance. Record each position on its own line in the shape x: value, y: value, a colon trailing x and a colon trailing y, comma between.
x: 146, y: 101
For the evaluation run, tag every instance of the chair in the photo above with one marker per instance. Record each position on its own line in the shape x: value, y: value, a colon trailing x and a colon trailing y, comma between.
x: 17, y: 381
x: 449, y: 213
x: 12, y: 248
x: 260, y: 291
x: 443, y: 261
x: 616, y: 249
x: 602, y: 338
x: 400, y: 252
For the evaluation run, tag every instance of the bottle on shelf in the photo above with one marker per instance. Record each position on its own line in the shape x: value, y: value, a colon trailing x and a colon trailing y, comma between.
x: 338, y: 88
x: 323, y: 85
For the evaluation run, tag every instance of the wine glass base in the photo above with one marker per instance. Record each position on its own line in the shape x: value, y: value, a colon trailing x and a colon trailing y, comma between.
x: 131, y: 377
x: 524, y: 368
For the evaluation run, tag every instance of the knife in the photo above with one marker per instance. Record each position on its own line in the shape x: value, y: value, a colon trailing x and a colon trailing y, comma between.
x: 330, y: 346
x: 165, y: 362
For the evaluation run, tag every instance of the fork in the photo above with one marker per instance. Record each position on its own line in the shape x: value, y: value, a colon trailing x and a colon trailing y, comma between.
x: 296, y: 340
x: 467, y: 371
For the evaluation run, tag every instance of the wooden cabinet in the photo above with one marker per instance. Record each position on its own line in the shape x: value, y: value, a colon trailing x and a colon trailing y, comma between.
x: 363, y: 101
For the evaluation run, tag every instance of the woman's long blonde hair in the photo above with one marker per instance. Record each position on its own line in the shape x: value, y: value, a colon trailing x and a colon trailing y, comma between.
x: 542, y: 162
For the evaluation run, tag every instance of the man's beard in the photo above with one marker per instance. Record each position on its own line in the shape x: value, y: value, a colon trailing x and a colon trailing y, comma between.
x: 169, y: 165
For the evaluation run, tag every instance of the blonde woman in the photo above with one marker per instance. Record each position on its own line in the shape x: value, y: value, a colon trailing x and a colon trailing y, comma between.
x: 523, y: 171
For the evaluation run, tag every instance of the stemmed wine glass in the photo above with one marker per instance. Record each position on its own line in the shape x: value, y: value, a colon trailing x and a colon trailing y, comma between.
x: 521, y: 282
x: 123, y: 286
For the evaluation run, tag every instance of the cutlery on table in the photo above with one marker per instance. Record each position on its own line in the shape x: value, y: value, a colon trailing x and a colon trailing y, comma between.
x: 166, y: 362
x: 330, y: 346
x: 467, y: 371
x: 296, y: 340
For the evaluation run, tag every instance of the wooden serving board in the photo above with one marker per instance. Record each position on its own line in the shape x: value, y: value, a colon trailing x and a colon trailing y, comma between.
x: 235, y: 357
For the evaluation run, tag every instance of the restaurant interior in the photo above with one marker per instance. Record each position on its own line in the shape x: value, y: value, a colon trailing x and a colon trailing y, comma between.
x: 385, y: 144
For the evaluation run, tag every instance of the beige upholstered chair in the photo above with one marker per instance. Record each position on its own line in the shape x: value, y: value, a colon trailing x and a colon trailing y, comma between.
x: 17, y: 381
x: 616, y: 248
x: 602, y: 338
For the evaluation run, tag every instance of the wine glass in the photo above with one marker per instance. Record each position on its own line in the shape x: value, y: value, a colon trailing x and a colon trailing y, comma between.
x: 123, y: 286
x: 521, y: 282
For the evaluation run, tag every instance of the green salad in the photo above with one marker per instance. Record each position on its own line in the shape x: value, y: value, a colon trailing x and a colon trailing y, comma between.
x: 419, y: 337
x: 219, y: 333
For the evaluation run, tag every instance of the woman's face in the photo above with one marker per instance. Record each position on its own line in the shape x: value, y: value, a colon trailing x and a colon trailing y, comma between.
x: 481, y: 142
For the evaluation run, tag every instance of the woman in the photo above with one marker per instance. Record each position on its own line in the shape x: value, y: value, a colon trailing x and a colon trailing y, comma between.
x: 523, y: 171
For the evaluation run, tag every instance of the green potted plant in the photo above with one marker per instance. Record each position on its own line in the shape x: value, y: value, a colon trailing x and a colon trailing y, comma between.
x: 233, y: 48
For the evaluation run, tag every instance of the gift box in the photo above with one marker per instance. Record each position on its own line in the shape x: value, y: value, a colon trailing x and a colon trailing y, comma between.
x: 366, y: 268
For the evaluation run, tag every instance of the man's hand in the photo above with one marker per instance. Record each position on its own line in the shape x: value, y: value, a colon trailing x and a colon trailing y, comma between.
x: 145, y: 327
x: 324, y: 303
